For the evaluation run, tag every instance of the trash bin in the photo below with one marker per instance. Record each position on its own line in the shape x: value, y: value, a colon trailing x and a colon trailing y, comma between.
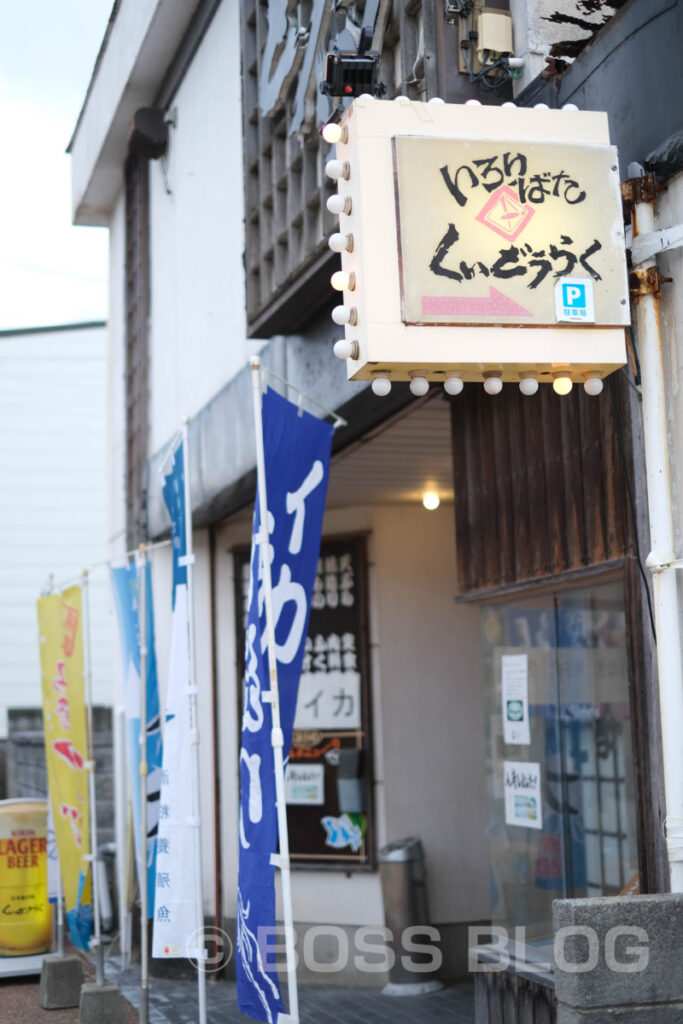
x: 404, y: 888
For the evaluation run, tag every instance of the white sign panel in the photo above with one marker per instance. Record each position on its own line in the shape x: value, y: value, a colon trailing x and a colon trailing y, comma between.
x: 522, y: 785
x: 305, y: 784
x: 515, y: 695
x: 329, y: 700
x: 457, y: 217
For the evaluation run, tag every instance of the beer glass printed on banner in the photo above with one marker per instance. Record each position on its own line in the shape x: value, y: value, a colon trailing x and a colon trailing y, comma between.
x: 25, y: 913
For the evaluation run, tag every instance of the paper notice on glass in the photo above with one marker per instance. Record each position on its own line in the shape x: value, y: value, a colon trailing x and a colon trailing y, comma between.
x: 522, y: 784
x: 515, y: 691
x: 305, y: 784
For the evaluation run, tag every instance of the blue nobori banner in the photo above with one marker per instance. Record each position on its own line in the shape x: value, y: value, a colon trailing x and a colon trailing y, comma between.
x: 297, y: 456
x: 126, y: 590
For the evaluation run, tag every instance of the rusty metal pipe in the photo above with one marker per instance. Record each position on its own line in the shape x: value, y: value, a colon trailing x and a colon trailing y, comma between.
x: 658, y: 471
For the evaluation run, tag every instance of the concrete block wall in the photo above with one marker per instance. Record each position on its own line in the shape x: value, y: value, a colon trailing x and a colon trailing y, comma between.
x: 25, y: 763
x: 619, y: 959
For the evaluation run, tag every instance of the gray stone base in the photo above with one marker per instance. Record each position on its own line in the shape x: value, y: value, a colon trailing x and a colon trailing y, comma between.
x: 669, y: 1014
x: 101, y: 1004
x: 60, y: 982
x: 618, y: 959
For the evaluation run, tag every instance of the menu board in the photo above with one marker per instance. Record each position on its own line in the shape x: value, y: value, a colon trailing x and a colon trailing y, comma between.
x: 328, y: 777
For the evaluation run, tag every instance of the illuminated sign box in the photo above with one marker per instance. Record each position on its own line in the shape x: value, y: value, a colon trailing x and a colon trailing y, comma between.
x: 481, y: 240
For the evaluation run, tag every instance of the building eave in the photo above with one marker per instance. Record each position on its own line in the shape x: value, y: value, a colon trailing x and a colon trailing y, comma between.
x: 141, y: 40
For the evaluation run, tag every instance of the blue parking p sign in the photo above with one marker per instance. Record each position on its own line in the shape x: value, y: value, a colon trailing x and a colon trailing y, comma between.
x: 574, y: 300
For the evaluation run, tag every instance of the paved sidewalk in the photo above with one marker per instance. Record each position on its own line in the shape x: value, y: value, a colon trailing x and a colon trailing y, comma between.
x: 175, y: 1002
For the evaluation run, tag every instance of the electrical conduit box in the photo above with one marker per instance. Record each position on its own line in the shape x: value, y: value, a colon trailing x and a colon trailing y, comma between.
x: 478, y: 240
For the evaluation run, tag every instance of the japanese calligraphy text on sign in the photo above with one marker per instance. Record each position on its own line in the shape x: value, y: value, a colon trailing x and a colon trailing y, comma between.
x: 483, y: 239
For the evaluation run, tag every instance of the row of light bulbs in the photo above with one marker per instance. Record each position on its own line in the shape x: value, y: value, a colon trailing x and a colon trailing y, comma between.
x: 334, y: 132
x: 343, y: 280
x: 493, y: 383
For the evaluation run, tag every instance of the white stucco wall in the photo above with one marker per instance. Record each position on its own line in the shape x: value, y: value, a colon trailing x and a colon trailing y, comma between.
x: 52, y: 498
x: 197, y: 315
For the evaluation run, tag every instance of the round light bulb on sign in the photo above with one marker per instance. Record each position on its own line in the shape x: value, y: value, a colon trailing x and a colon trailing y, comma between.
x: 431, y: 500
x: 419, y: 385
x: 493, y: 385
x: 562, y: 384
x: 344, y: 349
x: 342, y: 281
x: 337, y: 169
x: 593, y: 384
x: 381, y: 386
x: 339, y: 242
x: 341, y: 315
x: 453, y: 384
x: 337, y: 205
x: 528, y: 385
x: 332, y: 133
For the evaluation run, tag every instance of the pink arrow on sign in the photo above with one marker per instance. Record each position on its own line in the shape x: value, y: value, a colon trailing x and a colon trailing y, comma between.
x: 493, y: 304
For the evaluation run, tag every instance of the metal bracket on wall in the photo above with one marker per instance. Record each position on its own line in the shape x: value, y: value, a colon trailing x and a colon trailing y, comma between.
x: 644, y: 247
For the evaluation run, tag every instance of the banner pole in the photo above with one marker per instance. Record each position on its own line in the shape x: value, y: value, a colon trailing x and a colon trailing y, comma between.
x: 281, y: 860
x: 60, y: 910
x: 144, y: 922
x: 120, y: 825
x: 96, y: 940
x: 194, y: 736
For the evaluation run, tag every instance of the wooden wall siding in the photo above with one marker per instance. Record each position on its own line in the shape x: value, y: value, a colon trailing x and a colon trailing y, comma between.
x: 287, y: 224
x: 539, y: 485
x: 137, y: 355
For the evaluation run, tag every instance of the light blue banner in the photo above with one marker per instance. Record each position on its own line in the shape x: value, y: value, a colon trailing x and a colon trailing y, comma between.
x: 125, y: 588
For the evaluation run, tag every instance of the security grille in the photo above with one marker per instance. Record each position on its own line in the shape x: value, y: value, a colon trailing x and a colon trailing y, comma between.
x: 288, y: 263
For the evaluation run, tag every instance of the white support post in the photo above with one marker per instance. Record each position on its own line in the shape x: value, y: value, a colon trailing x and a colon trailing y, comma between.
x: 281, y: 860
x: 120, y: 820
x: 194, y: 738
x: 96, y: 940
x: 662, y: 538
x: 144, y: 897
x: 60, y: 912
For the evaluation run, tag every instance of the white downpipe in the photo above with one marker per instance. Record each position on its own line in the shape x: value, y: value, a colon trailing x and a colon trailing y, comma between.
x: 655, y: 431
x: 280, y: 860
x: 200, y: 952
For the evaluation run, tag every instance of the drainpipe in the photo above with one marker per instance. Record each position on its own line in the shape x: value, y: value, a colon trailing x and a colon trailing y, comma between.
x: 639, y: 193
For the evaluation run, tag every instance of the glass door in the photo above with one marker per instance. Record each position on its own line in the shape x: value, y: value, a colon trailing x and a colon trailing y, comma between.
x: 561, y: 789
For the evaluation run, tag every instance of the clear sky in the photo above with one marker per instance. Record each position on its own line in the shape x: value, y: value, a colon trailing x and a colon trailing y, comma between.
x: 50, y: 272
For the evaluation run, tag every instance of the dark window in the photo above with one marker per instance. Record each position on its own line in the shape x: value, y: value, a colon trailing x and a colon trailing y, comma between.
x: 329, y: 778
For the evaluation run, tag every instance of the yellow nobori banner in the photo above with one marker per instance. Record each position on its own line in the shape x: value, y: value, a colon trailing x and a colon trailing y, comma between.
x: 60, y: 623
